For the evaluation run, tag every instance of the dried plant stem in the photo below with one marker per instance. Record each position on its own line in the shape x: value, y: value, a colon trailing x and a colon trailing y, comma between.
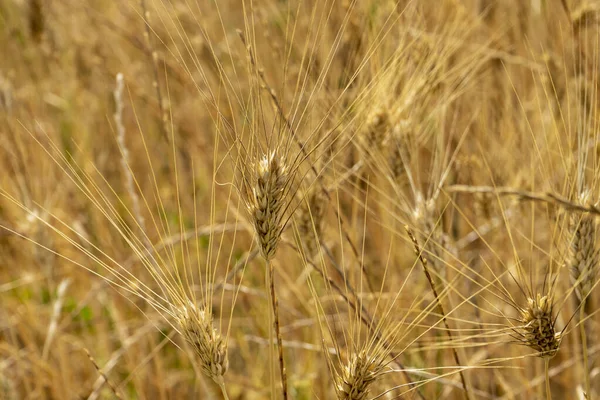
x: 440, y: 308
x: 547, y: 375
x: 221, y: 385
x: 112, y: 388
x: 125, y: 162
x: 584, y: 350
x: 547, y: 197
x: 275, y: 304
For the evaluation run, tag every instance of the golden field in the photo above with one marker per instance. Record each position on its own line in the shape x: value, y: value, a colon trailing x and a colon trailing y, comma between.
x: 300, y: 199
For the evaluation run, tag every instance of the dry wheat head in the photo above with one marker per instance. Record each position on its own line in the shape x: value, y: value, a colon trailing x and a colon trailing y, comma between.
x: 197, y: 328
x: 537, y: 328
x: 357, y: 375
x: 583, y: 257
x: 310, y: 221
x: 267, y: 202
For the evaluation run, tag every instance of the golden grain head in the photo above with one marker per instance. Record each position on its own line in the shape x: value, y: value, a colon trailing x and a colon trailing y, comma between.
x: 310, y: 221
x: 267, y: 203
x: 537, y: 330
x: 583, y: 257
x: 196, y: 326
x: 357, y: 376
x: 377, y: 127
x: 399, y: 154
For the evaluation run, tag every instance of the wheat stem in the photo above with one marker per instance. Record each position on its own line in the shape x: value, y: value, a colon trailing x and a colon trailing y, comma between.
x: 271, y: 273
x: 547, y: 197
x: 221, y: 384
x: 103, y: 375
x: 270, y: 323
x: 584, y: 350
x: 547, y: 374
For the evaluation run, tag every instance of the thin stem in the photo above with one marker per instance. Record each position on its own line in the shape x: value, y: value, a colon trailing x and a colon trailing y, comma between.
x: 221, y: 384
x: 546, y: 371
x: 271, y: 341
x: 543, y: 197
x: 586, y: 369
x: 271, y: 273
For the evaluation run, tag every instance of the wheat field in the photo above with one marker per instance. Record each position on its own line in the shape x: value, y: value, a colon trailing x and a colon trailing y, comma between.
x: 299, y: 199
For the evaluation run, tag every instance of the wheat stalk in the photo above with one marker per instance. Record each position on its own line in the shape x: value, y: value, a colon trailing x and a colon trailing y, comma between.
x: 548, y: 197
x: 266, y: 205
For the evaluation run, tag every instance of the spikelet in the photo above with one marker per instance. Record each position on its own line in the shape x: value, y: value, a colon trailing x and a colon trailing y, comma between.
x: 399, y: 155
x: 586, y: 15
x: 310, y: 221
x: 377, y: 127
x: 537, y: 328
x: 266, y: 204
x: 357, y: 375
x: 583, y: 254
x: 197, y: 328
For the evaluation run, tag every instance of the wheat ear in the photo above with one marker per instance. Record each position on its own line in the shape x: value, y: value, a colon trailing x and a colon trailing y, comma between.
x: 266, y: 208
x: 196, y: 325
x: 356, y: 377
x: 537, y: 329
x: 310, y: 222
x: 583, y: 258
